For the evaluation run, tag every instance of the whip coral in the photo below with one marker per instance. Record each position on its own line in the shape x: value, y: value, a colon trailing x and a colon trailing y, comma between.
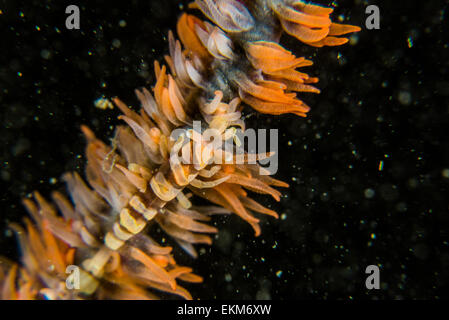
x: 216, y: 68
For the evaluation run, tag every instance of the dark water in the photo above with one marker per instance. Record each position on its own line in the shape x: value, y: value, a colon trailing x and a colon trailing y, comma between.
x: 368, y: 169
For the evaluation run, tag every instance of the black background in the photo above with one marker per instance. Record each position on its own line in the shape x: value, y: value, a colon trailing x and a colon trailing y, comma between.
x: 383, y: 99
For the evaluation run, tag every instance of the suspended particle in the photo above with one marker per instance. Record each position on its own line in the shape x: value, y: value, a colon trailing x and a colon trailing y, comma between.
x: 103, y: 104
x: 381, y: 165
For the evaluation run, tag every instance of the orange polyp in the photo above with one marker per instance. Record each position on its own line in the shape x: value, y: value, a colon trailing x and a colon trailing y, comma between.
x: 255, y: 206
x: 337, y: 29
x: 263, y: 49
x: 329, y: 41
x: 304, y: 33
x: 167, y: 107
x: 178, y: 271
x: 9, y: 288
x: 270, y: 58
x: 297, y: 108
x: 136, y: 180
x: 70, y: 256
x: 275, y: 85
x: 303, y: 18
x: 43, y: 204
x: 274, y: 182
x: 290, y: 74
x: 153, y: 267
x: 88, y: 134
x: 269, y: 64
x: 235, y: 203
x: 238, y: 190
x: 254, y: 185
x: 162, y: 261
x: 303, y: 88
x: 157, y: 69
x: 159, y: 84
x: 190, y: 224
x: 190, y: 277
x: 54, y: 253
x: 35, y: 244
x: 256, y: 227
x: 187, y: 34
x: 311, y: 24
x: 265, y: 93
x: 313, y: 9
x: 126, y: 110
